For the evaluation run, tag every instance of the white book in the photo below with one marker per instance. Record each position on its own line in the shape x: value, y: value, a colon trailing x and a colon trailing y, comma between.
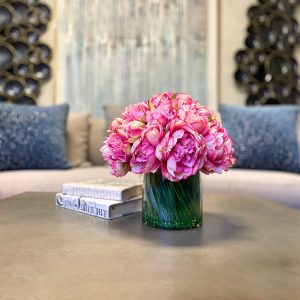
x: 117, y: 189
x: 102, y: 208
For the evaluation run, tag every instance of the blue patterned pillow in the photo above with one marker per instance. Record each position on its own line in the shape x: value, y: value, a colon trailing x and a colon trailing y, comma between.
x: 264, y: 137
x: 33, y: 137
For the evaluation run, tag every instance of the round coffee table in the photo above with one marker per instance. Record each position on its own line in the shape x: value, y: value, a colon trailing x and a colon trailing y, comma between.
x: 247, y: 248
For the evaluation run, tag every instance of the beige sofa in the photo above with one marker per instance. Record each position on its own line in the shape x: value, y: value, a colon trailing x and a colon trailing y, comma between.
x: 85, y: 136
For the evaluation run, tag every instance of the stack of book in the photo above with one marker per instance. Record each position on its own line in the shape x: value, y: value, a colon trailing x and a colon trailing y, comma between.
x: 108, y: 199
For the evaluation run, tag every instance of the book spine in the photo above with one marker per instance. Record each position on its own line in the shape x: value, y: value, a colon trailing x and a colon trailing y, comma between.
x: 86, y: 191
x: 77, y: 204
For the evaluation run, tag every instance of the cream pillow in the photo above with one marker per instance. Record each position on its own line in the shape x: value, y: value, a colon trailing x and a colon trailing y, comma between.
x: 77, y: 139
x: 298, y: 134
x: 112, y: 111
x: 97, y: 134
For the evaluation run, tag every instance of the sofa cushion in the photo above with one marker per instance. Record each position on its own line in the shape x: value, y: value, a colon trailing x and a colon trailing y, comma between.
x: 264, y: 137
x: 282, y: 187
x: 33, y: 137
x: 78, y: 139
x: 96, y: 137
x: 16, y: 182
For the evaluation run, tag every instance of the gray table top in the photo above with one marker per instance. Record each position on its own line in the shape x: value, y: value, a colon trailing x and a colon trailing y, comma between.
x: 247, y: 248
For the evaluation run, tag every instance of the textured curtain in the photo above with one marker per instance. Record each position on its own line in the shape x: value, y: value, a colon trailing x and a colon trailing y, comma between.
x: 123, y: 51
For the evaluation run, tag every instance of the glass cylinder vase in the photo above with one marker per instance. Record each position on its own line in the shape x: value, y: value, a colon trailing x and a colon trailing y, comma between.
x: 171, y: 205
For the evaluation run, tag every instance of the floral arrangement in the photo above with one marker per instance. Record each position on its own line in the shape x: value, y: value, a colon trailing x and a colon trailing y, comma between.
x: 169, y: 133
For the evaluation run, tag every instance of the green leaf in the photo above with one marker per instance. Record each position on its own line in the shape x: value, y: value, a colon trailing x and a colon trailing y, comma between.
x: 125, y: 165
x: 211, y: 118
x: 151, y: 106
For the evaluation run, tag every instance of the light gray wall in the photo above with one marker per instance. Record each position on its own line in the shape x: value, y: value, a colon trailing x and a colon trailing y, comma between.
x: 233, y: 24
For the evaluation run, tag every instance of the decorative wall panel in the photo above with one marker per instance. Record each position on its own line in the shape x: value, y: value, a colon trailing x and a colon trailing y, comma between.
x: 123, y: 51
x: 266, y: 68
x: 24, y: 60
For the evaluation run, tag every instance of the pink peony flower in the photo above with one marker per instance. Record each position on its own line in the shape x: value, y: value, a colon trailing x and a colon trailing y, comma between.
x: 192, y: 116
x: 183, y: 99
x: 118, y: 126
x: 118, y: 168
x: 200, y: 109
x: 171, y: 134
x: 182, y: 151
x: 136, y: 112
x: 219, y: 150
x: 143, y: 158
x: 162, y: 109
x: 115, y: 124
x: 134, y: 130
x: 116, y: 151
x: 155, y: 100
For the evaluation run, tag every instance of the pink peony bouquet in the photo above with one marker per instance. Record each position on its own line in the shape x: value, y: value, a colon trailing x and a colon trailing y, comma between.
x: 169, y: 133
